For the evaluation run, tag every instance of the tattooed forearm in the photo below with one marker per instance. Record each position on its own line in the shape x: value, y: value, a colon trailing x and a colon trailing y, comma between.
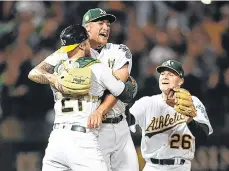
x: 38, y: 77
x: 41, y: 79
x: 45, y: 68
x: 38, y: 73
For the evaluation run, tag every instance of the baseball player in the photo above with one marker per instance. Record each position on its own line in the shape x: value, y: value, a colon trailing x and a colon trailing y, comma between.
x: 77, y: 83
x: 170, y: 122
x: 114, y: 135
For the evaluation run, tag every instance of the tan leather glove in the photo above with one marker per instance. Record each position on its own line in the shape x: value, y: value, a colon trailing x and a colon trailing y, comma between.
x: 181, y: 100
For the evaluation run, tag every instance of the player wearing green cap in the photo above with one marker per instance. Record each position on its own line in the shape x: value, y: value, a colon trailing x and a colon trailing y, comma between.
x: 170, y: 122
x: 114, y: 137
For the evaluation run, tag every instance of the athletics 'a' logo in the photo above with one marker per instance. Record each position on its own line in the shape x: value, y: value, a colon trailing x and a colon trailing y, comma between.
x: 63, y: 42
x: 168, y: 63
x: 102, y: 11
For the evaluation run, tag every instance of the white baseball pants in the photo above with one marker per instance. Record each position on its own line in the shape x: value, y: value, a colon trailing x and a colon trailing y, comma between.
x: 117, y: 147
x: 73, y: 151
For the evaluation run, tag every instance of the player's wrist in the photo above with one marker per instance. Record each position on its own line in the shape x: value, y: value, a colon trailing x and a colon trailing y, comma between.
x: 101, y: 111
x: 51, y: 78
x: 189, y: 119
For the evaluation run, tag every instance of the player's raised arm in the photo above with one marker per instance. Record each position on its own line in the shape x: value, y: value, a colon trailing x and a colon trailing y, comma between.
x: 109, y: 99
x: 200, y: 126
x: 122, y: 67
x: 118, y: 89
x: 191, y: 107
x: 123, y: 91
x: 40, y: 72
x: 43, y: 72
x: 198, y: 130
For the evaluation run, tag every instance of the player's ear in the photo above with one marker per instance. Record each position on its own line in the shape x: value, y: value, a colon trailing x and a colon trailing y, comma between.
x: 82, y: 46
x: 87, y: 26
x: 181, y: 81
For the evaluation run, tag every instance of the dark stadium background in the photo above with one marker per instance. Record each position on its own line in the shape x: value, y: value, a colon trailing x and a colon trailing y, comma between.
x: 193, y: 33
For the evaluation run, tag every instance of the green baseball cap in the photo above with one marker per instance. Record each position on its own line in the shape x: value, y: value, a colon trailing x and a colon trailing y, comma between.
x: 173, y: 65
x: 96, y: 14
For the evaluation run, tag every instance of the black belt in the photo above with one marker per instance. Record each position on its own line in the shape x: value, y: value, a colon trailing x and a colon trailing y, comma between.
x: 72, y: 127
x: 113, y: 120
x: 166, y: 161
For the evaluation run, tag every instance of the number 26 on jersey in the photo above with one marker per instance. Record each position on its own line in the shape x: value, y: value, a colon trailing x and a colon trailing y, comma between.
x: 178, y: 141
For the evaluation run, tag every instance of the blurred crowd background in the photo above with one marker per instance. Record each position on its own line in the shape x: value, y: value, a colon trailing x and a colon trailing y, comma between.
x: 195, y: 34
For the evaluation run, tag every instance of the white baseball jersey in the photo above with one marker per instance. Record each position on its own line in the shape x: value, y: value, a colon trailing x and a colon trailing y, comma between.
x: 165, y: 133
x: 102, y: 79
x: 115, y: 56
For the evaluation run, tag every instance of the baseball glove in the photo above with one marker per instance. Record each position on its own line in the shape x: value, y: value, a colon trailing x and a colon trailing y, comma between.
x: 73, y: 81
x: 181, y: 100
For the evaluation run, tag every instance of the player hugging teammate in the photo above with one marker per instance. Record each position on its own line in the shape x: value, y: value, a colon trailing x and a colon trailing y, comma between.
x: 170, y: 121
x: 78, y: 83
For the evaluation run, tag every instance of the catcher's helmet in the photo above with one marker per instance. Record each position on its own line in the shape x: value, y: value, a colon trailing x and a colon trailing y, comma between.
x: 71, y: 37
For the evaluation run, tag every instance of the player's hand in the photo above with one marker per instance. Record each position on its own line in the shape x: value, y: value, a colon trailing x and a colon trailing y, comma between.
x: 52, y: 79
x: 189, y: 119
x: 95, y: 119
x: 181, y: 100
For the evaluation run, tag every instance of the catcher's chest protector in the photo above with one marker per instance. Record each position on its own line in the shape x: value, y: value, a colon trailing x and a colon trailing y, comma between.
x: 75, y: 75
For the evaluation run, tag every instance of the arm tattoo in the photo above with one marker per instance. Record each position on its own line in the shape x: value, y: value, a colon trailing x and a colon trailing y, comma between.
x: 45, y: 68
x: 39, y: 79
x: 37, y: 74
